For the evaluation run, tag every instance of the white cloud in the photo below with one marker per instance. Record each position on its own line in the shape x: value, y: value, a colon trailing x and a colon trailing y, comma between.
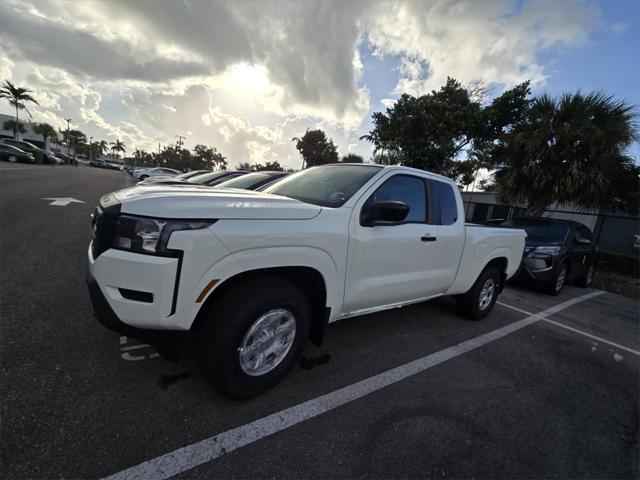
x: 492, y: 42
x: 246, y: 77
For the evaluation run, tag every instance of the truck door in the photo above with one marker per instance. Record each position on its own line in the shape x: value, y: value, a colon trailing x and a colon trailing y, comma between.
x: 448, y: 223
x: 389, y: 262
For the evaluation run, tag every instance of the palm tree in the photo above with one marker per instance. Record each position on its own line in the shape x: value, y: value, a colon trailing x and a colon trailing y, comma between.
x: 570, y: 149
x: 17, y: 97
x: 101, y: 147
x: 118, y: 146
x: 47, y: 131
x: 13, y: 126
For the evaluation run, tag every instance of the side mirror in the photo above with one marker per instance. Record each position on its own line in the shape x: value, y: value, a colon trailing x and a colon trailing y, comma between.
x: 391, y: 211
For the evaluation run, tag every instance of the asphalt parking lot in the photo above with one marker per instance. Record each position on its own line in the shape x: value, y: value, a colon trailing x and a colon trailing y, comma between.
x: 546, y: 387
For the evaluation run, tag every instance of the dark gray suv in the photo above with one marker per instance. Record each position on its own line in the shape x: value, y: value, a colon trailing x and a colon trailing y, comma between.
x: 556, y: 251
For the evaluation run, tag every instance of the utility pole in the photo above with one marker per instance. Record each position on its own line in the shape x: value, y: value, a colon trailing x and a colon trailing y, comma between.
x: 68, y: 145
x: 179, y: 144
x: 90, y: 149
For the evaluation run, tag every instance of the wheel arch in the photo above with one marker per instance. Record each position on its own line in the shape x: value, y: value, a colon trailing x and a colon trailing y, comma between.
x: 310, y: 280
x: 502, y: 264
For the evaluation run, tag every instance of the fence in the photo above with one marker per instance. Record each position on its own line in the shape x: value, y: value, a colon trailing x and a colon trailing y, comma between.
x: 612, y: 233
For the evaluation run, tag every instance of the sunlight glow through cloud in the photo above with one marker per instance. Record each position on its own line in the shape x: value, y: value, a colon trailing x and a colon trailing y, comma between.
x: 246, y: 77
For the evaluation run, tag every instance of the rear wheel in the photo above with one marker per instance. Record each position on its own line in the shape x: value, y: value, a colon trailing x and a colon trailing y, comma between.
x: 480, y: 299
x: 253, y: 336
x: 13, y: 158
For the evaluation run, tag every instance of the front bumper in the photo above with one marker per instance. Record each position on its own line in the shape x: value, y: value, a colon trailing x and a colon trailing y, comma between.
x: 537, y: 271
x: 139, y: 288
x: 168, y: 343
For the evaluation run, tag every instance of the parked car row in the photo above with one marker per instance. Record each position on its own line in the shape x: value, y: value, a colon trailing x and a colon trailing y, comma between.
x: 223, y: 179
x: 21, y: 151
x: 14, y: 154
x: 145, y: 172
x: 100, y: 163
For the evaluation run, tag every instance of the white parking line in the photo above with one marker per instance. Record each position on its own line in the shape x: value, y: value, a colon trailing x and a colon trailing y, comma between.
x: 125, y: 355
x: 186, y: 458
x: 567, y: 327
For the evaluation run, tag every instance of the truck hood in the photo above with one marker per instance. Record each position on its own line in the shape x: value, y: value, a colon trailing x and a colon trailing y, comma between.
x: 194, y: 201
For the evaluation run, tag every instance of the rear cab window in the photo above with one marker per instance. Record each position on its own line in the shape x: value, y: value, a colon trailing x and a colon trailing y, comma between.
x: 442, y: 200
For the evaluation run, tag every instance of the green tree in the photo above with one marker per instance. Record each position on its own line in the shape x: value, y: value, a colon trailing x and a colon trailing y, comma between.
x: 118, y: 147
x: 387, y: 158
x: 352, y: 158
x: 142, y: 158
x: 75, y: 139
x: 14, y: 127
x: 270, y: 166
x: 47, y: 131
x: 101, y: 147
x: 174, y: 157
x: 569, y: 149
x: 208, y: 158
x: 17, y: 98
x: 247, y: 166
x: 447, y: 131
x: 315, y: 148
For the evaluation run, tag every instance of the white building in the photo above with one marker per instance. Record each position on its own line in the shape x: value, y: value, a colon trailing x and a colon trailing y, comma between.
x: 29, y: 136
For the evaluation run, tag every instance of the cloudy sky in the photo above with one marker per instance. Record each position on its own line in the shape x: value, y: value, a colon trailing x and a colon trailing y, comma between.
x: 246, y: 77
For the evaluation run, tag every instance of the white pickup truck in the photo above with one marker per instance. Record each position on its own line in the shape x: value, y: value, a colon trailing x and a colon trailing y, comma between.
x: 252, y: 276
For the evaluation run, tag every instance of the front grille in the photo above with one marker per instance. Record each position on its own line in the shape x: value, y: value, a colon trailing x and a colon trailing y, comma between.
x: 102, y: 227
x: 95, y: 229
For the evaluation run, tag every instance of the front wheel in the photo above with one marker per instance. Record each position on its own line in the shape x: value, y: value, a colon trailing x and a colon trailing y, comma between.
x: 253, y: 336
x: 144, y: 177
x: 478, y: 302
x: 587, y: 278
x: 560, y: 278
x: 13, y: 158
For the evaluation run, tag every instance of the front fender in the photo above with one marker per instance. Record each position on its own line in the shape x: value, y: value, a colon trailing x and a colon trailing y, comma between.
x: 274, y: 257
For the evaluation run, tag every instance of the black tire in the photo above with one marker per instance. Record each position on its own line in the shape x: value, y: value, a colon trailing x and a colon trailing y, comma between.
x: 144, y: 177
x: 559, y: 281
x: 470, y: 303
x: 13, y: 158
x: 228, y: 322
x: 585, y: 280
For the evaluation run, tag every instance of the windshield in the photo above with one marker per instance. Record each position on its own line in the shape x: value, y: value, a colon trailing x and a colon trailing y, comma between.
x: 207, y: 177
x: 540, y: 228
x: 245, y: 181
x: 327, y: 186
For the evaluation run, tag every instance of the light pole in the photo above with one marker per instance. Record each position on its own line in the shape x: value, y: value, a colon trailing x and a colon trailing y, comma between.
x: 90, y: 150
x: 68, y: 144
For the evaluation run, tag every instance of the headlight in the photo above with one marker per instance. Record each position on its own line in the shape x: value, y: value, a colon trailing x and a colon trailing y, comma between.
x: 548, y: 250
x: 150, y: 235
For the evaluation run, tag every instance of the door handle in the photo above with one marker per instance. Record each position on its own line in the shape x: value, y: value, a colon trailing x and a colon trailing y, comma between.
x: 428, y: 238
